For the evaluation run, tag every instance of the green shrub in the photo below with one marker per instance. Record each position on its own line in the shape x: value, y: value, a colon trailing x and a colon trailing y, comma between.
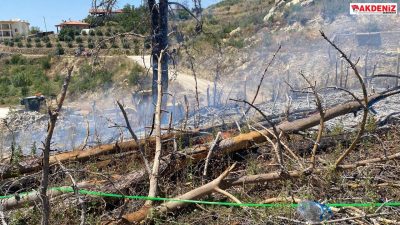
x: 84, y: 33
x: 92, y: 33
x: 21, y: 80
x: 134, y: 75
x: 125, y: 44
x: 6, y: 42
x: 68, y: 38
x: 108, y: 32
x: 237, y: 43
x: 49, y: 45
x: 46, y: 63
x: 34, y: 149
x: 137, y: 49
x: 103, y: 44
x: 67, y: 32
x: 89, y: 79
x: 24, y: 91
x: 78, y: 40
x: 5, y: 81
x: 18, y: 59
x: 37, y: 40
x: 46, y: 39
x: 28, y: 39
x: 28, y: 45
x: 11, y: 44
x: 114, y: 45
x: 99, y: 32
x: 38, y: 45
x: 70, y: 45
x: 60, y: 50
x: 20, y: 45
x: 90, y: 45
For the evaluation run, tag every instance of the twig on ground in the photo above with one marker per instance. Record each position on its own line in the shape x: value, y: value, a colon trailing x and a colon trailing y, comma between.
x: 213, y: 146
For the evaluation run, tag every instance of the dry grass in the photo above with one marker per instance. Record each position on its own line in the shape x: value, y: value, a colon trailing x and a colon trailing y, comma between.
x: 373, y: 183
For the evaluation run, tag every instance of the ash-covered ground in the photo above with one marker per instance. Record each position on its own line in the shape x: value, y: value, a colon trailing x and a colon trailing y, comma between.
x: 102, y: 119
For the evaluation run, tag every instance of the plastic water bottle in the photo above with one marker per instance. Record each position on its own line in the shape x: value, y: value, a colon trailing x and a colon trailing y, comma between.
x: 313, y: 211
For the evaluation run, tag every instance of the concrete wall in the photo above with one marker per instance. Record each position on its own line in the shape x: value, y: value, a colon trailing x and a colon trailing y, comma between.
x: 20, y: 28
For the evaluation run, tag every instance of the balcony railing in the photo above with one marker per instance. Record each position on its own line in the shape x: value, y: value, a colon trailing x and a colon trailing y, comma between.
x: 5, y: 26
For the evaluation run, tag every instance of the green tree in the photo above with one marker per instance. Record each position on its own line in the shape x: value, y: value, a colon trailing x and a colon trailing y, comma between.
x: 78, y: 40
x: 59, y: 49
x: 34, y: 30
x: 67, y: 32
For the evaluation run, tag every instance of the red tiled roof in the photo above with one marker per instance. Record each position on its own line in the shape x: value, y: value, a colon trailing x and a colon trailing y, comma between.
x: 73, y: 23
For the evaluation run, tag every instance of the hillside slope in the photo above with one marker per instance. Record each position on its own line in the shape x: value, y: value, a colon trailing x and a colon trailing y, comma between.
x: 251, y: 31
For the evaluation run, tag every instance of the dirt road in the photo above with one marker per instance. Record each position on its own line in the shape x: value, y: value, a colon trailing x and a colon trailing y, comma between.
x: 185, y: 80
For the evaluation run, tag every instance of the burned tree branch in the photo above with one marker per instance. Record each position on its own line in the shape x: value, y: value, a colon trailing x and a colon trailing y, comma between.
x: 53, y: 113
x: 214, y: 144
x: 262, y: 77
x: 171, y: 206
x: 129, y: 127
x: 365, y: 94
x: 224, y: 183
x: 321, y: 122
x: 278, y: 149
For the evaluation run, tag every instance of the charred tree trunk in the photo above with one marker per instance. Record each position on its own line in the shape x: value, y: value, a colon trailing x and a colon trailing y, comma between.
x: 159, y: 25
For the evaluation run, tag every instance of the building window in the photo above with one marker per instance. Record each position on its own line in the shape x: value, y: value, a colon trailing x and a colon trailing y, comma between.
x: 6, y: 34
x: 5, y: 26
x: 16, y: 30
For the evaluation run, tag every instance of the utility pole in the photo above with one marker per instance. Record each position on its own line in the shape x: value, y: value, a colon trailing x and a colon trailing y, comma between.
x: 45, y: 25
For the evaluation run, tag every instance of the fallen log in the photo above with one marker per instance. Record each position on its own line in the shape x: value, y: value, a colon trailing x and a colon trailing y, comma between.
x: 224, y: 183
x: 35, y: 164
x: 31, y: 165
x: 247, y: 140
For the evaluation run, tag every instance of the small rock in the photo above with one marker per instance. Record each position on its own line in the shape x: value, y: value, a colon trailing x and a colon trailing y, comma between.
x: 235, y: 31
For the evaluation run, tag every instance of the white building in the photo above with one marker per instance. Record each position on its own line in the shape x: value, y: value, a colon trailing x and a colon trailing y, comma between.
x: 13, y: 28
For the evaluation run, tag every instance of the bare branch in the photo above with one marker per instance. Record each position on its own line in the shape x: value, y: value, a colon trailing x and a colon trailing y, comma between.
x: 321, y: 122
x: 365, y: 94
x: 129, y: 127
x: 53, y: 113
x: 263, y: 76
x: 213, y: 146
x: 278, y: 151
